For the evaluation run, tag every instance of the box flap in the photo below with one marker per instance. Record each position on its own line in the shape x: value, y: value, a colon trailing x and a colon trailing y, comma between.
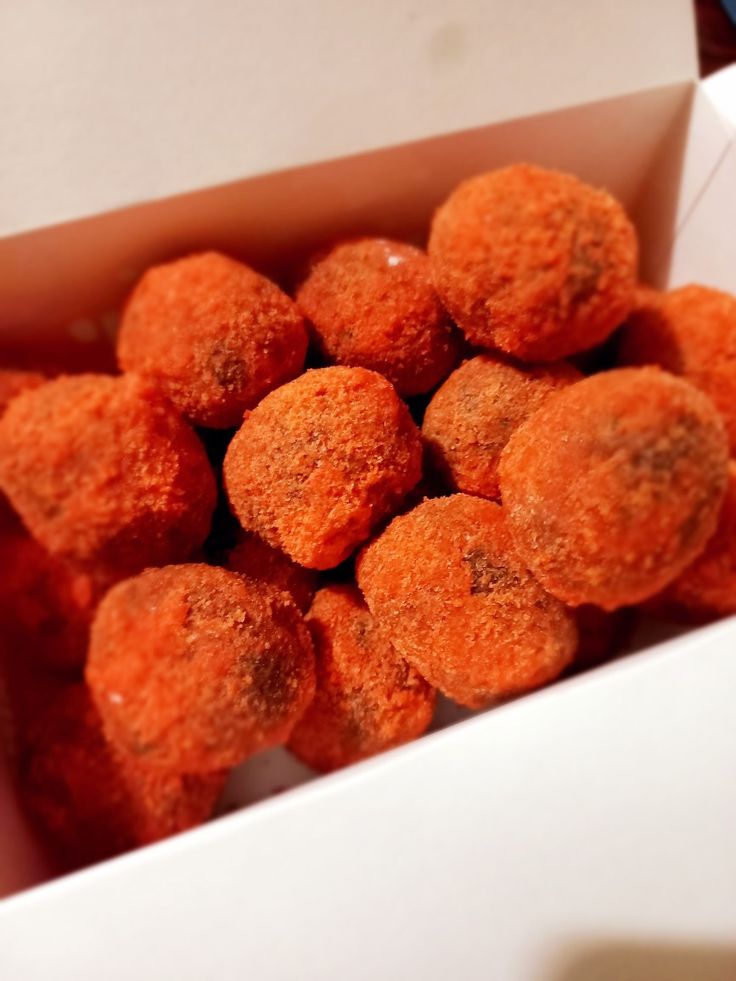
x: 105, y: 105
x: 721, y: 90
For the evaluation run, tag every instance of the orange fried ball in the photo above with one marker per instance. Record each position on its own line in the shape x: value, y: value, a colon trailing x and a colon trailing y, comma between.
x: 533, y: 262
x: 613, y: 487
x: 371, y: 303
x: 707, y: 588
x: 46, y: 604
x: 473, y: 414
x: 445, y: 584
x: 212, y: 335
x: 691, y: 332
x: 259, y: 562
x: 368, y: 698
x: 13, y: 382
x: 321, y: 461
x: 104, y: 470
x: 92, y: 802
x: 194, y: 669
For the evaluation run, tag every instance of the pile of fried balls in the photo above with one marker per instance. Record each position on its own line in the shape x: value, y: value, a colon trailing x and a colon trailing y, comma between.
x: 507, y: 445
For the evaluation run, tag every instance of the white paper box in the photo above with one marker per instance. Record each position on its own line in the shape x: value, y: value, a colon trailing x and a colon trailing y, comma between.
x: 583, y: 832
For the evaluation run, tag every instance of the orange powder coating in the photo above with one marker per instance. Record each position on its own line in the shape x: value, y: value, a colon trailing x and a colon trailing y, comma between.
x: 447, y: 587
x: 103, y: 470
x: 46, y: 605
x: 91, y: 802
x: 473, y: 414
x: 194, y: 669
x: 614, y: 486
x: 707, y: 588
x: 321, y: 461
x: 259, y: 562
x: 13, y: 382
x: 533, y: 262
x: 213, y: 335
x: 368, y: 698
x: 691, y: 332
x: 371, y: 303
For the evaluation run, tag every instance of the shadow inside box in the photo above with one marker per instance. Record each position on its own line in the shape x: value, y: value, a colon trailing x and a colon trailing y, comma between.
x: 642, y: 960
x: 276, y: 771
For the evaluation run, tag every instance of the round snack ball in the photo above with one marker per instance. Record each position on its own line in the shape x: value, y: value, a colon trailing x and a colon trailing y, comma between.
x: 371, y: 303
x: 473, y: 414
x: 707, y: 588
x: 193, y: 668
x: 368, y: 698
x: 92, y: 802
x: 613, y: 487
x: 445, y: 584
x: 46, y: 604
x: 691, y: 332
x: 213, y: 335
x: 260, y: 562
x: 321, y: 461
x: 533, y: 262
x: 103, y: 470
x: 13, y: 382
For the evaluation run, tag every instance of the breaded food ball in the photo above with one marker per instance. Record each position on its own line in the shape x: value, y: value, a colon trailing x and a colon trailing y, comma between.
x: 13, y: 382
x: 707, y: 588
x: 321, y: 461
x: 260, y: 562
x: 46, y: 604
x: 474, y: 412
x: 447, y: 587
x: 614, y: 486
x: 92, y: 802
x: 213, y: 335
x: 371, y: 304
x: 691, y: 332
x: 368, y: 698
x: 103, y: 470
x: 194, y: 669
x: 533, y: 262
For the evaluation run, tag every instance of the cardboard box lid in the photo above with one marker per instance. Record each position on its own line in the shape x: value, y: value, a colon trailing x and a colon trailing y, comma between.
x: 106, y: 104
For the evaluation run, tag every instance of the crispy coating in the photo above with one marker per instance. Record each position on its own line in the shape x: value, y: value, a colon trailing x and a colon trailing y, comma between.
x: 193, y: 668
x: 13, y: 382
x: 691, y: 332
x: 371, y: 303
x: 707, y: 588
x: 613, y: 487
x: 46, y: 604
x: 473, y: 414
x: 321, y: 461
x: 449, y: 590
x: 103, y: 470
x: 368, y: 698
x: 533, y: 262
x: 213, y: 335
x: 92, y: 802
x: 260, y: 562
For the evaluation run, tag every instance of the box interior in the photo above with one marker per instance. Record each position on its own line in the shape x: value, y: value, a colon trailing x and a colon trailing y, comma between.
x: 660, y: 151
